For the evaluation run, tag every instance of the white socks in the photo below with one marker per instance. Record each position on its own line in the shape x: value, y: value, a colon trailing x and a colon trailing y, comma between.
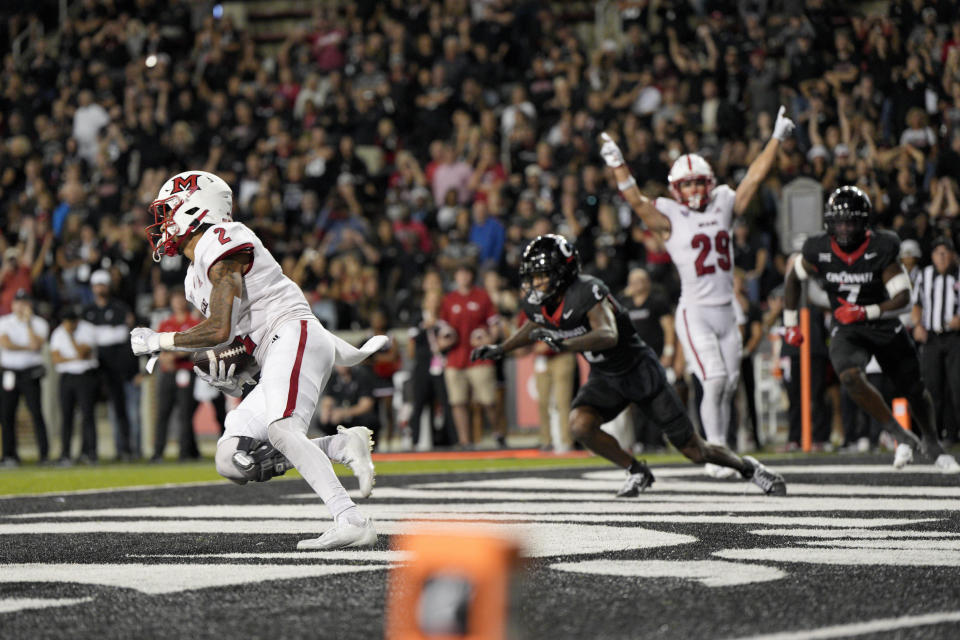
x: 289, y: 436
x: 332, y: 446
x: 713, y: 408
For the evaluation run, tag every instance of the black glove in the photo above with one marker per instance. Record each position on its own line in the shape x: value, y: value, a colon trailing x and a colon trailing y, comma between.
x: 487, y: 352
x: 548, y: 337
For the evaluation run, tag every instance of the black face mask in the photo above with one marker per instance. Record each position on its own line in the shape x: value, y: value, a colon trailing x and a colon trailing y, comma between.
x: 848, y: 234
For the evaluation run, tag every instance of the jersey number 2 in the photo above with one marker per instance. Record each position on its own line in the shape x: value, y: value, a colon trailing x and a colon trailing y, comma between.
x: 222, y: 235
x: 702, y: 241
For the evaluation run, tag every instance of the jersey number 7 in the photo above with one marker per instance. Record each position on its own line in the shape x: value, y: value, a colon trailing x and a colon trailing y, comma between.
x: 722, y: 242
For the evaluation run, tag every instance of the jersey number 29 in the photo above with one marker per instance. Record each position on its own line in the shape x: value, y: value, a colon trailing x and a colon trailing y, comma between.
x: 722, y: 242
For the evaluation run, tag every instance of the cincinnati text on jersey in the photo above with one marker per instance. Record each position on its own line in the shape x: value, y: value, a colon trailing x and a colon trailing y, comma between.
x: 845, y: 277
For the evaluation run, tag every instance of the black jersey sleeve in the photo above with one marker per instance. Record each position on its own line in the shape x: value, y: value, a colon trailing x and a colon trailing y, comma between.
x: 888, y: 248
x: 812, y: 247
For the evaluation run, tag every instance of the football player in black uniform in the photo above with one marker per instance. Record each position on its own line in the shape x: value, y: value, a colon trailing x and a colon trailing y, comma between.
x: 868, y: 288
x: 573, y: 312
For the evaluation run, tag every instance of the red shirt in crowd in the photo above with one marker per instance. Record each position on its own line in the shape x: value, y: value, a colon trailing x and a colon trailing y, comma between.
x: 13, y: 281
x: 466, y: 313
x: 172, y: 324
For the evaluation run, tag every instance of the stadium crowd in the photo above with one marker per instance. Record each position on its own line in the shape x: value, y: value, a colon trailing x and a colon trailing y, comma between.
x: 386, y: 150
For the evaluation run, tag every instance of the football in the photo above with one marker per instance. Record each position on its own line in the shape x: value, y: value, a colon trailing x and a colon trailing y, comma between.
x: 233, y: 353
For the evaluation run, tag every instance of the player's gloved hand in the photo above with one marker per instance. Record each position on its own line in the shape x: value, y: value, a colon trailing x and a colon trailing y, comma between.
x: 224, y: 379
x: 548, y: 337
x: 848, y: 313
x: 793, y: 337
x: 144, y: 341
x: 486, y: 352
x: 784, y: 126
x: 610, y: 152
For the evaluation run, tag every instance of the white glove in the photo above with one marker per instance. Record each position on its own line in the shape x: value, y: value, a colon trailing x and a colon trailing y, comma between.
x: 610, y: 151
x: 226, y: 380
x: 144, y: 341
x: 784, y: 126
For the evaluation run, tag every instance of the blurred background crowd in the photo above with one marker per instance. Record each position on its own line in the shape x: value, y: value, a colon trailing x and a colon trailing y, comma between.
x: 381, y: 148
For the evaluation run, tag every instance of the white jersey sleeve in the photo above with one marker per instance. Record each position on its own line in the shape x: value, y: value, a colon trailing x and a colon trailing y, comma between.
x: 700, y: 247
x: 269, y: 297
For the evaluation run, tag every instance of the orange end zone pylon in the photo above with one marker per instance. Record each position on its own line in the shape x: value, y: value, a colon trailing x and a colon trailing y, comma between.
x: 900, y: 412
x: 455, y: 583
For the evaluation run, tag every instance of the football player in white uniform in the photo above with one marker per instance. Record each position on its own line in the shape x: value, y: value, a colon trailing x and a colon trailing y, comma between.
x: 239, y: 288
x: 695, y: 226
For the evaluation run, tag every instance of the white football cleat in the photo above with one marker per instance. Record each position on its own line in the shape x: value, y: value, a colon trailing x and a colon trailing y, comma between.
x: 902, y: 456
x: 340, y: 536
x: 947, y: 463
x: 356, y: 455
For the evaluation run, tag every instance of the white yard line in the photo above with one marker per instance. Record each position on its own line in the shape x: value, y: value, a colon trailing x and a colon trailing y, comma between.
x: 881, y: 625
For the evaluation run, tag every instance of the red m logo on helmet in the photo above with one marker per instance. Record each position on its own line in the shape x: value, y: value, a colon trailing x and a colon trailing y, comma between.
x: 185, y: 184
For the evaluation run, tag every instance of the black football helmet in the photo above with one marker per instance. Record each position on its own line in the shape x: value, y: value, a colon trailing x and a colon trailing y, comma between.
x: 553, y: 256
x: 847, y: 216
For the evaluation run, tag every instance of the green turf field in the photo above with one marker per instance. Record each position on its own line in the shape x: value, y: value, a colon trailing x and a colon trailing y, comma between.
x: 31, y: 478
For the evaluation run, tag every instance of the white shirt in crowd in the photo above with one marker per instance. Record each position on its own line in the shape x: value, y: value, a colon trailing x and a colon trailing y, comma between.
x: 15, y: 329
x: 84, y: 334
x: 87, y: 122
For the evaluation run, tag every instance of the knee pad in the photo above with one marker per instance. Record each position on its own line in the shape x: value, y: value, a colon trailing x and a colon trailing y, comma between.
x: 224, y: 461
x: 258, y: 461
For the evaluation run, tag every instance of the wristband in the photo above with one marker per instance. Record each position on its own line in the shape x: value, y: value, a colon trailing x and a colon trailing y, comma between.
x: 668, y: 350
x: 791, y: 318
x: 626, y: 184
x: 873, y: 311
x: 165, y: 341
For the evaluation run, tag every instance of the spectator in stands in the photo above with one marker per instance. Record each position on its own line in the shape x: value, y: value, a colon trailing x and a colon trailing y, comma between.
x: 470, y: 313
x: 750, y: 321
x: 384, y: 364
x: 73, y: 348
x: 22, y: 336
x: 113, y: 320
x: 488, y: 234
x: 429, y: 390
x: 349, y: 401
x: 554, y: 376
x: 450, y: 173
x: 498, y: 89
x: 175, y: 381
x: 652, y: 317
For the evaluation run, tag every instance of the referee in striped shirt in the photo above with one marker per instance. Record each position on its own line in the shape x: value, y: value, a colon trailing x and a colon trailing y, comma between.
x: 936, y: 318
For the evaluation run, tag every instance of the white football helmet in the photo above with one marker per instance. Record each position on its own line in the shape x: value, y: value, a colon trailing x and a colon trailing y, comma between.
x: 185, y: 201
x: 691, y: 168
